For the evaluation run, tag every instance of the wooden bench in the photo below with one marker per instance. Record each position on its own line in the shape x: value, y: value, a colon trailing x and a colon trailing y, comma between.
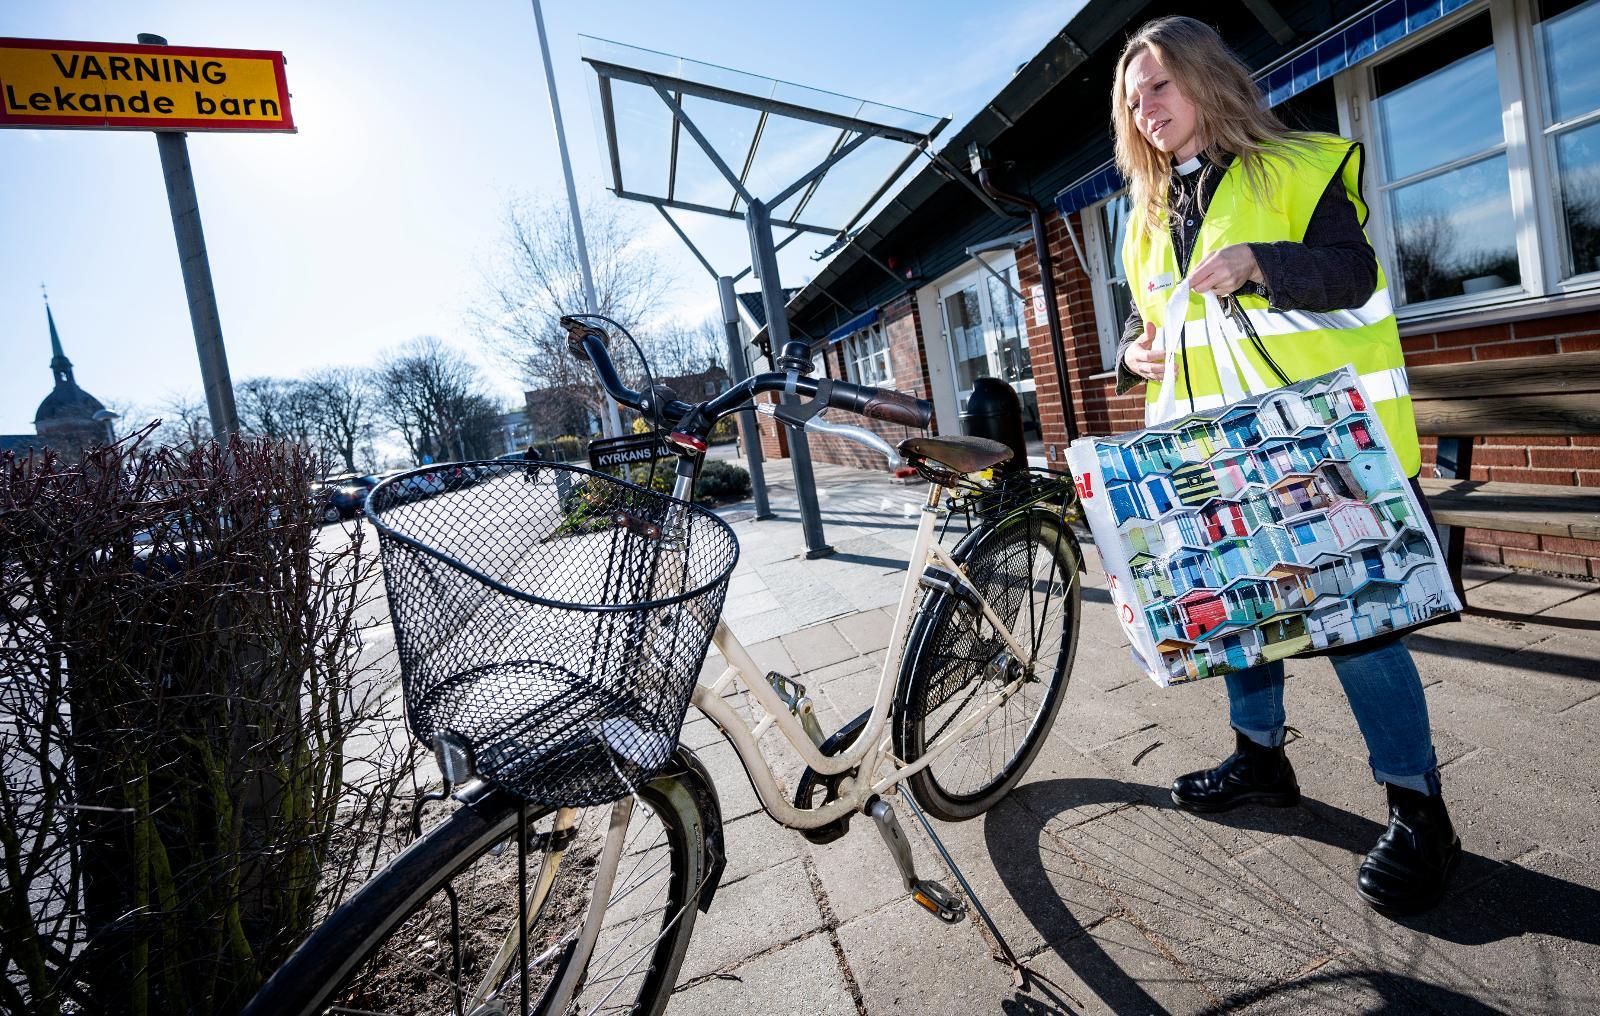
x: 1536, y: 395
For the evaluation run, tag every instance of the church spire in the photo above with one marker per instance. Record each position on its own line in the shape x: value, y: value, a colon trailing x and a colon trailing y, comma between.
x: 60, y: 366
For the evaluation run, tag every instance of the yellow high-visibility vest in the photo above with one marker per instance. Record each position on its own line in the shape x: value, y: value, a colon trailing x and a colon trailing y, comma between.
x: 1302, y: 344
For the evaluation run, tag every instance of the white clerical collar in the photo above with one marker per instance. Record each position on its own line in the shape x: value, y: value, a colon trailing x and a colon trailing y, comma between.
x: 1185, y: 168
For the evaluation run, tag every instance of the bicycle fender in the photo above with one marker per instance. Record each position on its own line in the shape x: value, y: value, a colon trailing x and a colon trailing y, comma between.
x: 687, y: 769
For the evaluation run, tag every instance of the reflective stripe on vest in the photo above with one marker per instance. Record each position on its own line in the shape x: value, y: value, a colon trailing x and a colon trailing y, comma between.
x: 1301, y: 344
x: 1381, y: 386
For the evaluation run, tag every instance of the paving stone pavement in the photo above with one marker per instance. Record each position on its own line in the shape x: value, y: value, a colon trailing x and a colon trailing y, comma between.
x: 1117, y: 902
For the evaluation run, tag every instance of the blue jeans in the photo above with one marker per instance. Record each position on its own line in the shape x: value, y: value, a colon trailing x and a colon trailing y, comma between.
x: 1385, y: 693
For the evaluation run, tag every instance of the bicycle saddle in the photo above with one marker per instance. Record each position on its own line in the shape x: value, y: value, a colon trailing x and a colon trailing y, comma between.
x: 955, y: 454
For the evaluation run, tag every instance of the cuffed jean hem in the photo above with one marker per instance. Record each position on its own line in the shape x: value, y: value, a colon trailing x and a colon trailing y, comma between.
x: 1425, y: 782
x: 1265, y: 738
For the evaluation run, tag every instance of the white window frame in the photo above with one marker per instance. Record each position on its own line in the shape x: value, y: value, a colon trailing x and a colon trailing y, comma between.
x: 1102, y: 268
x: 1534, y: 184
x: 1003, y: 263
x: 858, y: 348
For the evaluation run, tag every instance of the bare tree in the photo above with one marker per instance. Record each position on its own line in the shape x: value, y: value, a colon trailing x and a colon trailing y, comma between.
x: 536, y: 279
x: 280, y: 409
x: 682, y: 347
x: 184, y: 421
x: 341, y: 403
x: 433, y: 395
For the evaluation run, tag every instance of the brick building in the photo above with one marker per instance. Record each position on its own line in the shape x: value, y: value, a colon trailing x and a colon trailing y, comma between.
x: 1481, y: 124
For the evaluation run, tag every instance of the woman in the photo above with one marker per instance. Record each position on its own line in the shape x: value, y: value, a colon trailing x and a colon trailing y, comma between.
x: 1270, y: 221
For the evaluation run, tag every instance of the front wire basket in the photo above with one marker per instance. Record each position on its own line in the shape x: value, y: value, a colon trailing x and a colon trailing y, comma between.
x: 550, y: 621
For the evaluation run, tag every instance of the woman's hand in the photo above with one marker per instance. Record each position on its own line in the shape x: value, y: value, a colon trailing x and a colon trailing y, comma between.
x: 1225, y: 271
x: 1141, y: 356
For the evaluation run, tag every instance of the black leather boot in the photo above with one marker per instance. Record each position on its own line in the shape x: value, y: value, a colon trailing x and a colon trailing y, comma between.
x: 1409, y: 869
x: 1253, y: 774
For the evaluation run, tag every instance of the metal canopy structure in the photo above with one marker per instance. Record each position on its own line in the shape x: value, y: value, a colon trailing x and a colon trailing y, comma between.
x: 687, y: 136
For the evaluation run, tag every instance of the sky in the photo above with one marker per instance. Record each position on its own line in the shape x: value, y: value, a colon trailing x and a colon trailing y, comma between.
x: 418, y: 123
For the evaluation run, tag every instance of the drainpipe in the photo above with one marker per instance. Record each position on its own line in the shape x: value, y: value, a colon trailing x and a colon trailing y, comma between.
x: 977, y: 156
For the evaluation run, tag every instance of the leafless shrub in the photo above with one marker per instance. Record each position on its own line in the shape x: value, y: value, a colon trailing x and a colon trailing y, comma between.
x: 197, y: 753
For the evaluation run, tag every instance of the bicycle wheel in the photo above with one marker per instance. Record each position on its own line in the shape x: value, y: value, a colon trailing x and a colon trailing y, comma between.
x: 393, y: 947
x: 1025, y: 567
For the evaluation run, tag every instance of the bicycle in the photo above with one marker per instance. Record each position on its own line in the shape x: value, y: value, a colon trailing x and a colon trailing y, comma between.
x: 578, y: 763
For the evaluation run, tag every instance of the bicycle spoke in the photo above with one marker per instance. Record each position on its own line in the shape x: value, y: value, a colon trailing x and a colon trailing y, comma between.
x: 1025, y: 580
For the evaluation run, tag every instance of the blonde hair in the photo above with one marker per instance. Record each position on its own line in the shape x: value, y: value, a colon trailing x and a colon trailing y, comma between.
x: 1230, y: 115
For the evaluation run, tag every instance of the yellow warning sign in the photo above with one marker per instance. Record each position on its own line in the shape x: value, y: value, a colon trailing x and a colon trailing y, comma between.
x: 48, y: 83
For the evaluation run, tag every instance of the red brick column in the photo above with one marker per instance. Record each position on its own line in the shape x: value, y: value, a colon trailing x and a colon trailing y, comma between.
x: 1097, y: 408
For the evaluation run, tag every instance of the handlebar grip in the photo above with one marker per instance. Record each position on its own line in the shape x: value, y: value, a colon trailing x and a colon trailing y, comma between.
x: 881, y: 404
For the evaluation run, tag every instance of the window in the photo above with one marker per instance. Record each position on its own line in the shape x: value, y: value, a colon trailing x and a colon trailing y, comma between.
x: 1447, y: 180
x: 866, y: 358
x: 1566, y: 36
x: 1107, y: 225
x: 1484, y: 155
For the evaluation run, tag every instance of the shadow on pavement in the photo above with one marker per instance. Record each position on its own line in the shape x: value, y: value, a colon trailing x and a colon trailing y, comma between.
x: 1535, y: 658
x: 1542, y: 620
x: 1187, y: 883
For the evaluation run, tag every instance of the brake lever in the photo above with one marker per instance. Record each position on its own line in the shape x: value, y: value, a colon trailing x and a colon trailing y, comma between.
x: 818, y: 424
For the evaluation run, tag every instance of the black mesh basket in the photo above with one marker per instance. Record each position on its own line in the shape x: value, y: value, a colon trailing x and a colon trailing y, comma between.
x: 550, y: 619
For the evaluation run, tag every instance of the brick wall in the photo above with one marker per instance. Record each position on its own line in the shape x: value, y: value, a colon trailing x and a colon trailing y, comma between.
x: 1097, y: 408
x: 1548, y: 460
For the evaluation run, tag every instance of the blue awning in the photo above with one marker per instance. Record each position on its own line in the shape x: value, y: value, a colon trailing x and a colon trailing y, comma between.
x: 1331, y: 53
x: 855, y: 324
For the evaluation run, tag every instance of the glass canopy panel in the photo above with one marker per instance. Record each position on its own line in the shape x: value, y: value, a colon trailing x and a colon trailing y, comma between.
x: 802, y: 128
x: 840, y: 194
x: 755, y: 86
x: 644, y: 155
x: 730, y: 130
x: 789, y: 149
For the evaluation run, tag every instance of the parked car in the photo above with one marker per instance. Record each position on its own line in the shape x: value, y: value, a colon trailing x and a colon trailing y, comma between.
x: 342, y: 496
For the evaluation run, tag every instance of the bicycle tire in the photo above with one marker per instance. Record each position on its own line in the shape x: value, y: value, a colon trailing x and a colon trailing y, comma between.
x: 940, y: 665
x: 326, y: 961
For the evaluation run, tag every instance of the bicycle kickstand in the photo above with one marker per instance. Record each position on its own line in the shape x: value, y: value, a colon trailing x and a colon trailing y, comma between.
x: 930, y: 895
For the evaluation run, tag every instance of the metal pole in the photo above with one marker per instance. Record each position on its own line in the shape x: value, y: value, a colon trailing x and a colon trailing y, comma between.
x: 612, y: 422
x: 764, y: 259
x: 749, y: 430
x: 203, y: 316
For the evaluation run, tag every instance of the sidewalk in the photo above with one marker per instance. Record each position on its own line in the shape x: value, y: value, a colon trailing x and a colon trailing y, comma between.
x: 1117, y: 902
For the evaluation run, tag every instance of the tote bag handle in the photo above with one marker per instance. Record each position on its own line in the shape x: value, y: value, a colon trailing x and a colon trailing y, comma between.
x: 1237, y: 374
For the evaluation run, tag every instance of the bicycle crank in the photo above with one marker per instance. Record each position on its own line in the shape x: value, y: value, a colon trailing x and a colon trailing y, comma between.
x: 812, y: 784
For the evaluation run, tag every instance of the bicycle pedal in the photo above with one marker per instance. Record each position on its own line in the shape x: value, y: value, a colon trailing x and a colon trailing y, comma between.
x: 939, y: 901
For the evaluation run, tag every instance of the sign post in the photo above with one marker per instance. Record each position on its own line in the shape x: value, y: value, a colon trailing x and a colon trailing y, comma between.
x: 170, y: 90
x: 197, y: 285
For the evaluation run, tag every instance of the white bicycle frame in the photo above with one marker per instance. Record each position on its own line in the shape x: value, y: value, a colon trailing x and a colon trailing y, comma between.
x: 871, y: 752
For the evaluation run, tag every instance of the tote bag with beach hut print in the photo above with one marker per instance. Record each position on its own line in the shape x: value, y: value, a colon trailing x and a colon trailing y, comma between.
x: 1277, y: 525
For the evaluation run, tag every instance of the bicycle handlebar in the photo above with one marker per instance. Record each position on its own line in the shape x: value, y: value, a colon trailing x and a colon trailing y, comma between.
x: 589, y: 343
